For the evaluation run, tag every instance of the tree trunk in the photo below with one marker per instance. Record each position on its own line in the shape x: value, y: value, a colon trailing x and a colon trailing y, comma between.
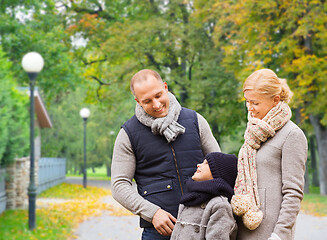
x: 108, y: 169
x: 306, y: 174
x: 321, y: 135
x: 306, y: 180
x: 315, y: 173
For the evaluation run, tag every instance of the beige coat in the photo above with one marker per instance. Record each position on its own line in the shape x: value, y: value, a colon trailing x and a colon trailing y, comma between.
x: 280, y: 169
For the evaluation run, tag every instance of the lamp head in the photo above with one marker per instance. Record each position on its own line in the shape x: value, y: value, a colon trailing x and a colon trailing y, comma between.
x: 32, y: 62
x: 84, y: 113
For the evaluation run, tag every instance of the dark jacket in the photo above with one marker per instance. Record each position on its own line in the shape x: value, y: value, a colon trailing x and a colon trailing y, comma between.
x: 162, y: 168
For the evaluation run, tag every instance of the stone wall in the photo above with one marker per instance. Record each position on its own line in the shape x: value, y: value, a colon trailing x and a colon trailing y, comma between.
x: 17, y: 177
x: 17, y: 181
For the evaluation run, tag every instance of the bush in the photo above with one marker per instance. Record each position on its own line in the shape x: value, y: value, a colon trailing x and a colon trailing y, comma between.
x: 14, y: 120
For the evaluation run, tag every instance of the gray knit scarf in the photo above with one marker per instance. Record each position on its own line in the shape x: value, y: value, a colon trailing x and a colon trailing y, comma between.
x: 166, y: 126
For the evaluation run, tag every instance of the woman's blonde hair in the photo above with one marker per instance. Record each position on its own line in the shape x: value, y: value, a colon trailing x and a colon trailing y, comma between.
x: 265, y: 81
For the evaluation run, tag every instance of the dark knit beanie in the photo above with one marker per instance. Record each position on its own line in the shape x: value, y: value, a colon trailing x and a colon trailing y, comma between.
x: 223, y: 166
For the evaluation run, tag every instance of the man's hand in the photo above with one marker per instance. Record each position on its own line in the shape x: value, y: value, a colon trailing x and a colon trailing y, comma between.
x: 163, y: 222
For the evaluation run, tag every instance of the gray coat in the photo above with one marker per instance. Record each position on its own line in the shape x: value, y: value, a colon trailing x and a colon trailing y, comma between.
x: 213, y: 220
x: 280, y: 169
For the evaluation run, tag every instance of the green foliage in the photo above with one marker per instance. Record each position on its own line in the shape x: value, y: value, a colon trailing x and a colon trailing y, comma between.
x: 65, y: 139
x: 97, y: 173
x: 121, y: 39
x: 164, y: 36
x: 14, y: 134
x: 203, y: 49
x: 214, y: 94
x: 288, y: 37
x: 39, y: 26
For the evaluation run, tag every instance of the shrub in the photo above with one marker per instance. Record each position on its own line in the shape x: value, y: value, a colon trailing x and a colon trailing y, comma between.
x: 14, y: 120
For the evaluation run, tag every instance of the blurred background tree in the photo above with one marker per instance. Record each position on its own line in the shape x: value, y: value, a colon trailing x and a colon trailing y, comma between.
x: 14, y: 133
x: 204, y: 49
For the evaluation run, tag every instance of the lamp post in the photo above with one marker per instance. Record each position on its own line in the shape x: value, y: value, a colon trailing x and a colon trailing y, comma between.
x: 84, y: 113
x: 32, y: 64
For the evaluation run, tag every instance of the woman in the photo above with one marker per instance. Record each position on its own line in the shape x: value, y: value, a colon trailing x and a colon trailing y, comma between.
x: 271, y: 162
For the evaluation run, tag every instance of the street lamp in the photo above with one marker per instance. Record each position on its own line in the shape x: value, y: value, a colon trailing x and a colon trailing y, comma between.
x: 84, y: 113
x: 32, y: 64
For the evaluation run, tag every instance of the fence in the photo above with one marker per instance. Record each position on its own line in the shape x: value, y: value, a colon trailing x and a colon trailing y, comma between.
x: 14, y: 180
x: 51, y: 172
x: 2, y: 191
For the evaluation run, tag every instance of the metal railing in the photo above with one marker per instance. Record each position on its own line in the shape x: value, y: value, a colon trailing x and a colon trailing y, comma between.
x: 51, y: 171
x: 3, y: 197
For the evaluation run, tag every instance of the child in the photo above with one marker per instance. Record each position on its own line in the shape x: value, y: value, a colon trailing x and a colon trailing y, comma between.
x: 205, y: 211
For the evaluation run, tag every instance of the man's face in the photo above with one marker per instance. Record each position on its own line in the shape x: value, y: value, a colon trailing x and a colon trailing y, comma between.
x: 152, y: 95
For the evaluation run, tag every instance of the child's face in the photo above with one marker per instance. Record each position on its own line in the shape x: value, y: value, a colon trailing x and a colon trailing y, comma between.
x: 203, y: 172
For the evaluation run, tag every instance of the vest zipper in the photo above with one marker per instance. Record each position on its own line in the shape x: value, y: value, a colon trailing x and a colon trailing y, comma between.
x: 178, y: 175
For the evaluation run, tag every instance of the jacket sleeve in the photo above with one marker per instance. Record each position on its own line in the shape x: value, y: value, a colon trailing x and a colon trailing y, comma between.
x: 294, y: 156
x: 208, y: 141
x: 221, y: 224
x: 122, y: 173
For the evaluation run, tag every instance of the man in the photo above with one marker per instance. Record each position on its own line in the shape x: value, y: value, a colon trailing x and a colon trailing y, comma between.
x: 159, y: 147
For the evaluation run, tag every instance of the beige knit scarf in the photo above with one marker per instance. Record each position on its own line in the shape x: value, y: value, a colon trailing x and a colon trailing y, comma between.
x: 246, y: 202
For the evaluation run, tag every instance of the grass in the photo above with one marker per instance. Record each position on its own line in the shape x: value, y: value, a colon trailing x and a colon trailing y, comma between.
x: 14, y: 225
x: 74, y: 191
x: 99, y: 174
x: 55, y: 221
x: 314, y: 204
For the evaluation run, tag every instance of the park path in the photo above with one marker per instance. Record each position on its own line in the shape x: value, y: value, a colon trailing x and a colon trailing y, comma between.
x: 108, y: 227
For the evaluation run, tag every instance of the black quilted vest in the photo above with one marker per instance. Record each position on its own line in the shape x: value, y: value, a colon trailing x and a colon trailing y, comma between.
x: 162, y: 168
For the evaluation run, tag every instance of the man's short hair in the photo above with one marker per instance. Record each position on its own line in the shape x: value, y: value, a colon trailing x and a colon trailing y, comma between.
x: 142, y: 76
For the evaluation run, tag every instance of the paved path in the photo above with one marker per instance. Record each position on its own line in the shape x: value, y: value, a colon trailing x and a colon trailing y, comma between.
x: 310, y: 228
x: 107, y: 227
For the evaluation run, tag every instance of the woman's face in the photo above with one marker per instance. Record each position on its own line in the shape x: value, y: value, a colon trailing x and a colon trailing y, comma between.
x: 258, y: 104
x: 203, y: 172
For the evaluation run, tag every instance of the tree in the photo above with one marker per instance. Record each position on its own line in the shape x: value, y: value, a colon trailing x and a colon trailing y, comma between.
x: 165, y: 36
x: 39, y: 26
x: 65, y: 139
x: 288, y: 37
x: 14, y: 134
